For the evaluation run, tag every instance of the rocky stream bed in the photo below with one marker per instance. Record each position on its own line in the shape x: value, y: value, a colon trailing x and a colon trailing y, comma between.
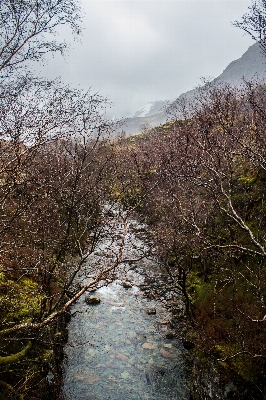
x: 123, y: 347
x: 125, y: 344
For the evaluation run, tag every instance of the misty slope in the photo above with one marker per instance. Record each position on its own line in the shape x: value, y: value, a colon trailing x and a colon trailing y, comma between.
x: 150, y: 109
x: 251, y: 64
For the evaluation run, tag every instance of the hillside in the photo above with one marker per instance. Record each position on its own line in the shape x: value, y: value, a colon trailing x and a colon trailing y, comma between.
x: 251, y: 64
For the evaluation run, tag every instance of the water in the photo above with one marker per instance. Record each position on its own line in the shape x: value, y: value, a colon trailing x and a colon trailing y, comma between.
x: 117, y: 351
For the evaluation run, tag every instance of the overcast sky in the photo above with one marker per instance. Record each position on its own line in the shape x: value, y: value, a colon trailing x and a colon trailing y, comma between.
x: 136, y: 51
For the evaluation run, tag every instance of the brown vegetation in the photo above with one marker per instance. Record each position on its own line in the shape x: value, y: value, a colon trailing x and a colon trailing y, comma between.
x: 205, y: 208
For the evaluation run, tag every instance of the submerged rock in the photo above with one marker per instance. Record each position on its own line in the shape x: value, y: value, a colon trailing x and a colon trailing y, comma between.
x: 121, y: 356
x: 166, y: 354
x: 132, y: 267
x: 125, y: 375
x: 91, y: 290
x: 91, y: 379
x: 148, y: 346
x: 92, y: 300
x: 151, y: 311
x: 126, y: 285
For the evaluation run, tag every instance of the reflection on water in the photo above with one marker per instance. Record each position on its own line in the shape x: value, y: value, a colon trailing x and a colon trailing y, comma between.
x: 117, y: 351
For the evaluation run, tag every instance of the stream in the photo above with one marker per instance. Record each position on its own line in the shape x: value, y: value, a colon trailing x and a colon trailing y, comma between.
x: 119, y: 349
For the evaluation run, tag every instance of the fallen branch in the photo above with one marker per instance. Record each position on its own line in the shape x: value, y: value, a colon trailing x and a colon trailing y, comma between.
x: 51, y: 317
x: 239, y: 353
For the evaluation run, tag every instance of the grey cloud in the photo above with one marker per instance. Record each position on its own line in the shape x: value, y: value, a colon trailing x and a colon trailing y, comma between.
x: 140, y: 51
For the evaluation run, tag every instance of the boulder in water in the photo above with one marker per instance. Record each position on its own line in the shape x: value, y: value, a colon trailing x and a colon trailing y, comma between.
x: 148, y: 345
x: 127, y: 285
x: 166, y: 354
x: 92, y: 300
x: 151, y: 311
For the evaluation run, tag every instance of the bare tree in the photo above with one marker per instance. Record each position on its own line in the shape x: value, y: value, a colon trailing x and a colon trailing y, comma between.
x: 219, y: 163
x: 54, y: 180
x: 55, y: 176
x: 27, y: 28
x: 207, y: 215
x: 254, y: 22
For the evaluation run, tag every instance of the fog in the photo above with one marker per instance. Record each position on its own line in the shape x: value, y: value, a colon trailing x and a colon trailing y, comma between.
x: 135, y: 52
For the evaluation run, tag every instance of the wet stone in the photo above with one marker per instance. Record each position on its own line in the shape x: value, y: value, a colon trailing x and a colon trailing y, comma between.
x: 125, y: 375
x: 122, y: 357
x: 91, y: 379
x: 92, y: 290
x: 127, y: 285
x: 92, y: 300
x: 166, y: 354
x: 165, y: 322
x: 132, y: 267
x: 151, y: 311
x: 148, y: 345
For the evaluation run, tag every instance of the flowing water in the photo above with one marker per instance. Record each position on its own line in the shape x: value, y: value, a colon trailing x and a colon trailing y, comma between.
x: 117, y: 350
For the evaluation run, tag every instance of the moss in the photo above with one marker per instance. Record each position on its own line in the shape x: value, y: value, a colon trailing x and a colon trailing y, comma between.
x: 241, y: 365
x: 203, y: 291
x: 13, y: 358
x: 194, y: 283
x: 247, y: 179
x: 128, y: 198
x: 46, y: 355
x: 200, y: 355
x: 20, y: 299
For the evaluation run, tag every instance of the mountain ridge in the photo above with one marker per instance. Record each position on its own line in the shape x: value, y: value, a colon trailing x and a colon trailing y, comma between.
x: 252, y: 64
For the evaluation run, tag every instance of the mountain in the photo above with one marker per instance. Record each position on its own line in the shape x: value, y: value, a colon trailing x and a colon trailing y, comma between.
x: 251, y: 65
x: 150, y: 109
